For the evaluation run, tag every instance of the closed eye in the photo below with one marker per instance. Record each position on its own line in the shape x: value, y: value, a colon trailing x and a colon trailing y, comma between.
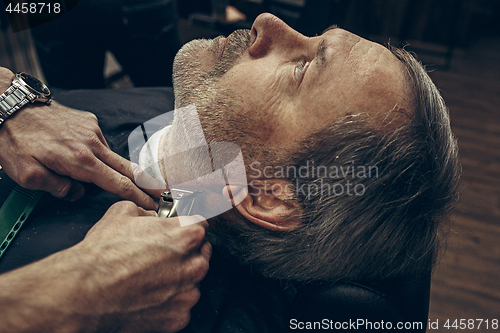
x: 299, y: 71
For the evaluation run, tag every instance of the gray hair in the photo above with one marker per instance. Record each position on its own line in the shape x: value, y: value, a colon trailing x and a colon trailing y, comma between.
x: 393, y: 228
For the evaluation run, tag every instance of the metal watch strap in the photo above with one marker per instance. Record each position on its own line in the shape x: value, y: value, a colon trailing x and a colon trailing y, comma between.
x: 15, y: 210
x: 12, y: 100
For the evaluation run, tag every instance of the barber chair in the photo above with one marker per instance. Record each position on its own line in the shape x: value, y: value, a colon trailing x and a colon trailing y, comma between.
x: 404, y: 300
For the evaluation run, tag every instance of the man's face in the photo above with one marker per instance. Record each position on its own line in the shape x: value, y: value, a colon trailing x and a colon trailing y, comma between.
x: 278, y: 86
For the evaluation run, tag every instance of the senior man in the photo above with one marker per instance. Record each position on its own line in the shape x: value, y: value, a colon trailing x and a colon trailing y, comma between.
x: 332, y: 101
x: 367, y: 115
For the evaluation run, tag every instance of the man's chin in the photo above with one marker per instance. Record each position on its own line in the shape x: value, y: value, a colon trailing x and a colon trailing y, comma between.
x: 194, y: 61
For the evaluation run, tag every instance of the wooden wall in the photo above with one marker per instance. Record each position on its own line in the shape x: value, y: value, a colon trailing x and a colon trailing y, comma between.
x: 466, y: 283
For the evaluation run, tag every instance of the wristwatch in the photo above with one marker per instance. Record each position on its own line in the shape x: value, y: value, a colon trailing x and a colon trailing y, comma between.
x: 23, y: 90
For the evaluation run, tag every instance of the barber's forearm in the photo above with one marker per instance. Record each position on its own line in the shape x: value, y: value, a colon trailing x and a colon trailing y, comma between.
x: 44, y: 296
x: 35, y: 298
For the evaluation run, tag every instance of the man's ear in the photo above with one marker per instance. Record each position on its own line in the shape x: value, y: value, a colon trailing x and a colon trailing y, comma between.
x: 269, y: 204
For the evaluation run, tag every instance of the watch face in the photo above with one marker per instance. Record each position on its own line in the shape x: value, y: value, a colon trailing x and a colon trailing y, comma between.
x: 35, y: 84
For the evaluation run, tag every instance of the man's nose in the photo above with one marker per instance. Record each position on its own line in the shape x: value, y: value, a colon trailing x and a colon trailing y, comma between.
x: 269, y: 33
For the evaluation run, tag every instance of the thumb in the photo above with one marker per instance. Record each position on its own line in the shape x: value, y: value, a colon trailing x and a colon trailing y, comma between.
x: 75, y: 192
x: 59, y: 186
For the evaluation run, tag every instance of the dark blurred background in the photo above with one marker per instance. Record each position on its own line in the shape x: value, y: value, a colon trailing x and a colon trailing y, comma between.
x: 457, y: 40
x: 144, y: 35
x: 433, y: 28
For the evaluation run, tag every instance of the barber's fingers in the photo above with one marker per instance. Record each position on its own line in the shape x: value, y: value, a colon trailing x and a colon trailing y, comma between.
x: 34, y: 175
x: 31, y: 174
x: 133, y: 172
x: 147, y: 183
x: 116, y: 179
x: 101, y: 136
x: 62, y: 187
x: 117, y: 215
x: 88, y: 116
x: 192, y: 237
x: 206, y: 250
x: 128, y: 208
x: 194, y: 220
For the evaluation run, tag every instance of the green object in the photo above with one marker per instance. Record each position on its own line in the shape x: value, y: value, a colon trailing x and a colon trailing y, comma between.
x: 15, y: 210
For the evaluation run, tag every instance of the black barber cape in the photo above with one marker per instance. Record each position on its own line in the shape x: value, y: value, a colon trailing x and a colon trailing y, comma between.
x: 232, y: 298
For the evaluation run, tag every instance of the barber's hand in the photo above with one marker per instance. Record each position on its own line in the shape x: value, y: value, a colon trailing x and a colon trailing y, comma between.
x: 145, y: 269
x: 133, y: 272
x: 52, y: 147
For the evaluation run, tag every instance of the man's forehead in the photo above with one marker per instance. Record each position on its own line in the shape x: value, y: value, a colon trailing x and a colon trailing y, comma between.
x: 334, y: 35
x: 360, y: 76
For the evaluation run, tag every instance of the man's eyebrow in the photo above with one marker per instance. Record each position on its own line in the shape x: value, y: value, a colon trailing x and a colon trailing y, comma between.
x: 320, y: 53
